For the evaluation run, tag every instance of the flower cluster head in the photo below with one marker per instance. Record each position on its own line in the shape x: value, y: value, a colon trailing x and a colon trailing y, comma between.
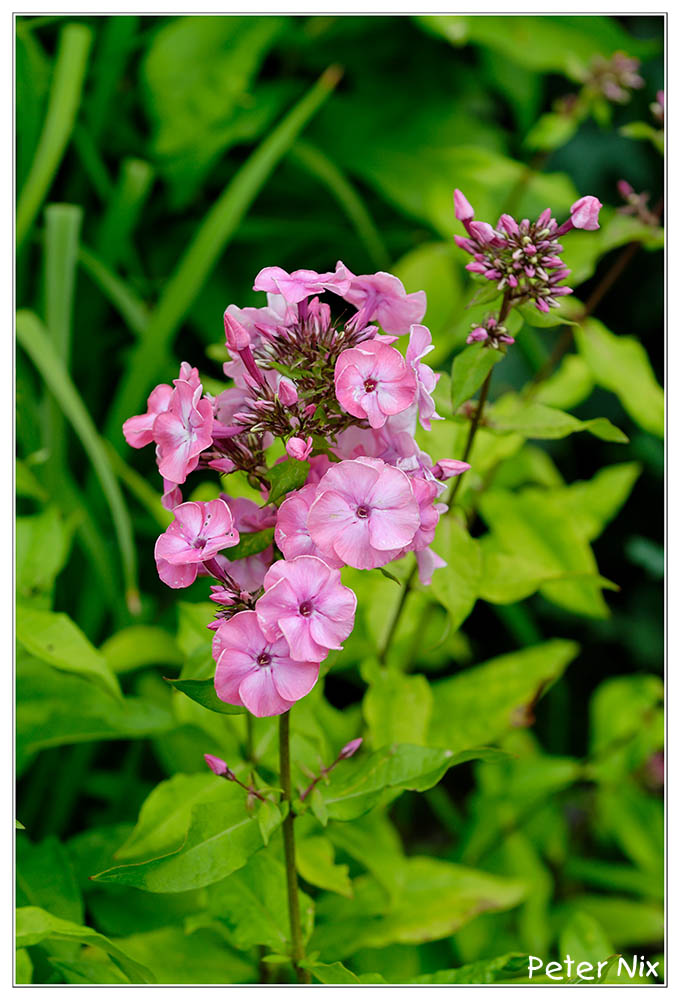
x: 344, y: 400
x: 614, y: 78
x: 491, y: 332
x: 523, y: 258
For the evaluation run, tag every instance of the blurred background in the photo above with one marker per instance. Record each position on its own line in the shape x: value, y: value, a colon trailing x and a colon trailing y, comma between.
x: 161, y: 162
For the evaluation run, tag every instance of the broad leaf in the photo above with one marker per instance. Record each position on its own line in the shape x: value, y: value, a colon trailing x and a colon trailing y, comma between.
x: 534, y: 317
x: 45, y: 878
x: 503, y: 969
x: 203, y: 692
x: 568, y: 386
x: 397, y: 708
x: 35, y: 925
x: 179, y: 958
x: 315, y: 859
x: 534, y: 420
x: 469, y: 370
x: 457, y: 584
x: 285, y: 477
x: 250, y: 545
x: 141, y: 646
x: 42, y: 546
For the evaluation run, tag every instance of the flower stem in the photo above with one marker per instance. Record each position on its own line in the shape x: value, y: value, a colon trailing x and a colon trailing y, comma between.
x: 297, y: 948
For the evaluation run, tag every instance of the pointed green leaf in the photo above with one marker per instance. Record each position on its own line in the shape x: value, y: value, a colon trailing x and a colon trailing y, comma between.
x: 469, y: 370
x: 285, y: 477
x: 204, y: 693
x: 250, y: 545
x: 457, y: 584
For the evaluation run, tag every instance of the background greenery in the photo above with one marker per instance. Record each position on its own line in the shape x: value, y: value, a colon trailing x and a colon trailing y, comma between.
x: 161, y: 162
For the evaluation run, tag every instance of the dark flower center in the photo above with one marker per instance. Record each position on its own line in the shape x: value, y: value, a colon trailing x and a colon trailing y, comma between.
x: 264, y: 659
x: 306, y: 609
x: 370, y: 385
x: 362, y: 511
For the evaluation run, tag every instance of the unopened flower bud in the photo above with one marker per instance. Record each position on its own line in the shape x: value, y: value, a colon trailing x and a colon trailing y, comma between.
x: 462, y: 206
x: 479, y: 333
x: 219, y: 767
x: 299, y: 449
x: 350, y: 749
x: 236, y: 334
x: 585, y: 212
x: 447, y: 468
x: 287, y: 392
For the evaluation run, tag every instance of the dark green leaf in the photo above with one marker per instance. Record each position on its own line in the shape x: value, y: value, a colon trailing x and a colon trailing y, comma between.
x: 470, y: 368
x: 203, y: 692
x: 285, y: 477
x: 250, y: 545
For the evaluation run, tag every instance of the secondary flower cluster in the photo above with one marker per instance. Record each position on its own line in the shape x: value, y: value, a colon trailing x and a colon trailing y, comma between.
x: 345, y: 401
x: 522, y: 258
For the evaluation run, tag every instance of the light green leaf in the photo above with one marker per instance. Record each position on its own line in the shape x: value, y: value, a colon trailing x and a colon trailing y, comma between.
x: 568, y: 386
x: 480, y: 705
x: 595, y: 502
x: 397, y: 708
x: 315, y: 859
x: 26, y: 483
x: 374, y: 843
x: 34, y: 925
x: 335, y: 974
x: 508, y: 578
x: 643, y: 130
x: 43, y: 542
x: 436, y: 900
x: 253, y: 903
x: 621, y: 365
x: 203, y: 692
x: 470, y: 368
x: 503, y: 969
x: 624, y: 921
x: 45, y: 878
x: 141, y: 646
x: 551, y: 131
x: 584, y: 940
x: 285, y: 477
x: 54, y: 638
x: 534, y: 420
x: 456, y: 585
x: 23, y: 967
x: 534, y: 317
x: 221, y: 838
x: 179, y: 958
x: 165, y: 816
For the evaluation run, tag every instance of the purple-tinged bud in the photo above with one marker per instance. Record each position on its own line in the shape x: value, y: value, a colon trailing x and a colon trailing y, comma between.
x: 478, y: 334
x: 482, y: 231
x: 625, y: 189
x: 299, y: 449
x: 236, y: 334
x: 462, y: 206
x: 224, y: 465
x: 310, y: 410
x: 219, y: 767
x: 464, y: 243
x: 476, y: 267
x: 585, y: 212
x: 447, y: 468
x: 542, y: 305
x: 220, y: 595
x: 287, y: 392
x: 508, y: 224
x: 544, y: 218
x: 350, y: 749
x: 505, y: 339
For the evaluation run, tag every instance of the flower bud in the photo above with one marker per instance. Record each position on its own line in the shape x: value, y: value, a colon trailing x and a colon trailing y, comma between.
x: 287, y: 391
x: 219, y: 767
x: 585, y: 211
x: 463, y: 208
x: 447, y: 468
x: 236, y: 334
x: 350, y: 749
x: 299, y: 449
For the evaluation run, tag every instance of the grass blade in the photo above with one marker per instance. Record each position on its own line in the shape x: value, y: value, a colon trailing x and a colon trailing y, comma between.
x: 123, y: 210
x: 67, y: 84
x: 62, y: 230
x: 33, y: 337
x: 320, y: 166
x: 149, y: 358
x: 119, y: 294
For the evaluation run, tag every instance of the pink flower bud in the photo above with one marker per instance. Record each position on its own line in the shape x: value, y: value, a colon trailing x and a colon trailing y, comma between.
x: 310, y: 410
x: 625, y: 189
x: 447, y: 468
x: 287, y: 392
x: 350, y: 749
x: 299, y: 449
x: 585, y: 211
x: 508, y: 224
x: 482, y: 231
x: 236, y: 334
x: 218, y: 767
x: 479, y: 333
x: 462, y: 206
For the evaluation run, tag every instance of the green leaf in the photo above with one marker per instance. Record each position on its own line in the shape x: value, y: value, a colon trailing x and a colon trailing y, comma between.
x: 141, y: 646
x: 457, y: 584
x: 27, y: 484
x: 624, y: 921
x: 568, y: 386
x: 436, y: 900
x: 397, y: 708
x: 43, y: 542
x: 165, y: 816
x: 285, y: 477
x: 470, y: 368
x: 33, y: 338
x: 335, y: 974
x: 551, y: 131
x: 503, y: 969
x: 373, y: 842
x: 621, y: 365
x: 203, y: 692
x: 45, y: 878
x: 534, y: 420
x: 35, y: 925
x: 480, y: 705
x: 354, y: 787
x: 23, y: 967
x: 643, y: 130
x: 435, y: 268
x: 120, y: 295
x: 508, y: 578
x: 67, y: 82
x: 315, y: 859
x: 595, y: 502
x: 54, y: 638
x: 178, y: 958
x: 221, y: 838
x: 88, y: 971
x: 253, y: 903
x: 250, y: 545
x: 584, y: 940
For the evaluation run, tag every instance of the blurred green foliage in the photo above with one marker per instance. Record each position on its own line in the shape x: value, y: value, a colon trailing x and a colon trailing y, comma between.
x: 161, y: 162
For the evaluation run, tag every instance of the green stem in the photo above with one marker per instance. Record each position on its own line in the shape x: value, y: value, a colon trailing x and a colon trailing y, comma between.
x: 297, y: 947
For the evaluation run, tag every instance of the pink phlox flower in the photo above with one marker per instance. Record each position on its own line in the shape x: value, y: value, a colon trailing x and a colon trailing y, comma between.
x: 287, y: 391
x: 292, y: 534
x: 365, y: 512
x: 419, y: 345
x: 199, y: 531
x: 585, y: 212
x: 428, y: 561
x: 183, y: 431
x: 446, y: 468
x: 305, y: 601
x: 258, y: 672
x: 138, y: 430
x: 299, y: 449
x: 318, y: 466
x: 249, y: 573
x: 478, y: 334
x: 426, y: 492
x: 382, y: 297
x: 301, y: 284
x: 172, y: 495
x: 236, y: 335
x: 374, y: 381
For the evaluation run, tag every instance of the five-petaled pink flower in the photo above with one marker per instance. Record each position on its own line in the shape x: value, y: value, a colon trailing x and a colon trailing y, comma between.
x: 198, y: 533
x: 258, y: 672
x: 183, y: 431
x: 382, y: 297
x: 365, y: 512
x: 300, y: 284
x: 420, y: 344
x: 305, y: 602
x: 374, y: 381
x: 292, y: 534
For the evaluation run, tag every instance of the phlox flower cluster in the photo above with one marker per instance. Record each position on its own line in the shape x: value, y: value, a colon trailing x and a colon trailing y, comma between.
x: 326, y: 378
x: 523, y: 258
